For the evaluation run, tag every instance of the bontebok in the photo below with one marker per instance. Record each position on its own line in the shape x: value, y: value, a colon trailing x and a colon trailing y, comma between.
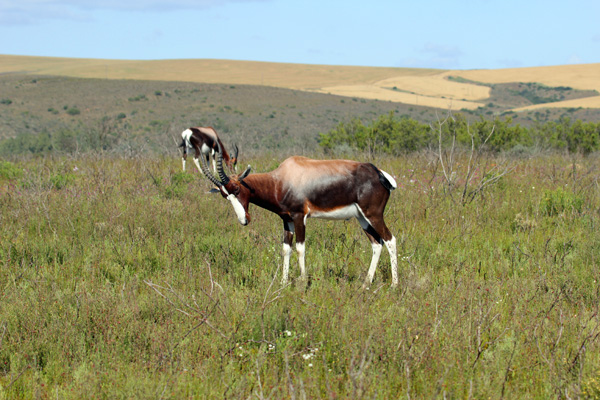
x: 205, y: 141
x: 301, y: 188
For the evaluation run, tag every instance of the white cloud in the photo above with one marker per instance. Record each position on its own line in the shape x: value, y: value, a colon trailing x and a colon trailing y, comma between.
x: 574, y: 59
x: 510, y: 63
x: 435, y: 56
x: 17, y: 12
x: 441, y: 51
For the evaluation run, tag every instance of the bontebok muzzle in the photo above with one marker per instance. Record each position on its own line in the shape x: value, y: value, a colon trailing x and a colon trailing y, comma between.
x: 222, y: 181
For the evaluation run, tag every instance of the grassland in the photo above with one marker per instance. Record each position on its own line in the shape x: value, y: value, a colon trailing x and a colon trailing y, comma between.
x: 121, y: 277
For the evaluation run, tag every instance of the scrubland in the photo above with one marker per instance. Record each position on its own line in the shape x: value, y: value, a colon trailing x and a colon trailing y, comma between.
x: 121, y: 277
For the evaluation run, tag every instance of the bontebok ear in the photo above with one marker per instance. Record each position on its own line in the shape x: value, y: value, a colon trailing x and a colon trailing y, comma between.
x: 245, y: 173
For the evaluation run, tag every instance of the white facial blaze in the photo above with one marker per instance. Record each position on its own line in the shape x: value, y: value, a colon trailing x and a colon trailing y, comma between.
x: 238, y: 208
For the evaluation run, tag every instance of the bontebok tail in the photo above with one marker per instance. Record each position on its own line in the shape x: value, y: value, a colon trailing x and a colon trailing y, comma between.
x: 386, y: 179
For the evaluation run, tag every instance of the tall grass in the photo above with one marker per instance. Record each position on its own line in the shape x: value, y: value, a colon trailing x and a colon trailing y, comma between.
x: 124, y: 278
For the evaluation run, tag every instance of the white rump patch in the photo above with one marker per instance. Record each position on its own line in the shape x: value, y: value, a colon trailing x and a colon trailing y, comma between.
x: 186, y: 135
x: 389, y: 178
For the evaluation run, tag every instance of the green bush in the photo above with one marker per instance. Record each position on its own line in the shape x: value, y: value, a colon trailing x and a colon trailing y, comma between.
x: 386, y: 134
x: 559, y: 201
x: 9, y: 171
x: 140, y: 97
x: 178, y: 185
x: 59, y: 181
x: 400, y: 135
x: 27, y: 143
x: 73, y: 111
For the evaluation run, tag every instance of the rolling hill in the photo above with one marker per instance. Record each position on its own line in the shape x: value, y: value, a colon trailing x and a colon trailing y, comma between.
x: 267, y: 106
x: 456, y: 90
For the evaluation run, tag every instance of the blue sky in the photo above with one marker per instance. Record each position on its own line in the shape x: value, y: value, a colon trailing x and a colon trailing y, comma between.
x: 461, y: 34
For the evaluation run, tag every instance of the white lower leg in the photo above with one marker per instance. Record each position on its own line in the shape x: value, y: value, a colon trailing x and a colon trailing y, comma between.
x: 391, y: 246
x: 214, y: 164
x: 374, y: 260
x: 287, y: 252
x: 183, y: 162
x: 301, y: 250
x: 198, y: 165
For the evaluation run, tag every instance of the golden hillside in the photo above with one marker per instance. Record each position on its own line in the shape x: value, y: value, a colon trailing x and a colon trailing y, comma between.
x: 425, y: 87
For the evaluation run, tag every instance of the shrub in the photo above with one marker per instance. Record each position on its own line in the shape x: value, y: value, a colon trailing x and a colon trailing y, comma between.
x: 59, y: 181
x: 178, y: 186
x: 9, y: 171
x: 138, y: 98
x: 386, y: 134
x: 27, y: 143
x: 559, y: 201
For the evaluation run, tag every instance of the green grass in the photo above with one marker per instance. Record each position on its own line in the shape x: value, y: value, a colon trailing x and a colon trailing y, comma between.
x: 124, y: 278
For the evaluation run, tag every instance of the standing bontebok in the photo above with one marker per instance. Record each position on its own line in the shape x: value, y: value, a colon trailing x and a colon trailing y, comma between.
x: 205, y: 140
x: 301, y: 188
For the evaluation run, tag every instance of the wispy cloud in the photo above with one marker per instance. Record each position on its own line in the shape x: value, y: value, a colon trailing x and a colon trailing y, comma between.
x: 17, y: 12
x: 442, y: 56
x: 432, y: 55
x: 510, y: 63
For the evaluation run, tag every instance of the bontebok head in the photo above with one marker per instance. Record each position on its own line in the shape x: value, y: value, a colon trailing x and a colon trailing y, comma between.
x: 230, y: 187
x: 301, y: 188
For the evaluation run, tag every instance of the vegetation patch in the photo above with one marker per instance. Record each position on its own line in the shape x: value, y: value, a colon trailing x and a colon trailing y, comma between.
x: 121, y: 277
x: 505, y: 96
x: 401, y: 135
x: 9, y: 171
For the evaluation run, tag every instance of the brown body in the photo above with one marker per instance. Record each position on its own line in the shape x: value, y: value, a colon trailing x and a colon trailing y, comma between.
x: 301, y: 188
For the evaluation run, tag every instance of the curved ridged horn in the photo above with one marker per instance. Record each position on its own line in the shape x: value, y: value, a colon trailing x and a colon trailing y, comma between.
x: 245, y: 173
x: 207, y: 172
x: 222, y: 175
x: 235, y: 151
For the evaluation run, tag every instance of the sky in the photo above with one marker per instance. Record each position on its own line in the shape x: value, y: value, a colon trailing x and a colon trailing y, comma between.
x: 442, y: 34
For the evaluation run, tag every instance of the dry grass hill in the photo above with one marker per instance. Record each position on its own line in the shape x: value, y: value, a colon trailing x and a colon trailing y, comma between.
x: 457, y: 90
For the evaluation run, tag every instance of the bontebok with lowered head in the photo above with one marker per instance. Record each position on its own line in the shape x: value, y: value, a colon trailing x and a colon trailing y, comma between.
x: 205, y: 141
x: 301, y: 188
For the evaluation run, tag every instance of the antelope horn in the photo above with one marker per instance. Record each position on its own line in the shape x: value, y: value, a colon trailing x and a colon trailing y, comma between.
x: 222, y: 175
x: 207, y: 172
x: 235, y: 151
